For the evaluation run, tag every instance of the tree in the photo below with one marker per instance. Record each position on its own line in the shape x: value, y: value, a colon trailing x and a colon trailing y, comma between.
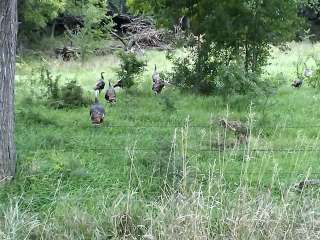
x: 35, y: 14
x: 237, y: 32
x: 8, y: 35
x: 119, y: 6
x: 96, y: 26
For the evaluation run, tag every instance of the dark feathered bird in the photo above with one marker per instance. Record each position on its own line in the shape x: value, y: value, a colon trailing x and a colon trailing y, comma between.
x: 110, y: 95
x: 157, y: 83
x: 97, y: 111
x: 100, y: 84
x: 157, y: 86
x: 297, y: 83
x: 119, y: 84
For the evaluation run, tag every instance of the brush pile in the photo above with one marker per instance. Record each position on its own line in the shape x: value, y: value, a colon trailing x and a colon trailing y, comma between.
x: 67, y: 53
x: 141, y: 33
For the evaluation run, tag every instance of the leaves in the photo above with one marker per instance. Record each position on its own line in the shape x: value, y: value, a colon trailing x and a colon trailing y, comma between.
x: 37, y: 13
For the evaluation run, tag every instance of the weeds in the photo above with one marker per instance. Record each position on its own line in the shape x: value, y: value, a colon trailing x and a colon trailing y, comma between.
x: 67, y: 96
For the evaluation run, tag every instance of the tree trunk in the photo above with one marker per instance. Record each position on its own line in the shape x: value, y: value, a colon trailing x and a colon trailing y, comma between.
x: 122, y: 6
x: 53, y: 28
x: 8, y: 38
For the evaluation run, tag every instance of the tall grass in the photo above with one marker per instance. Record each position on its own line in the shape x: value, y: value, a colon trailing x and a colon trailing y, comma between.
x: 196, y: 206
x: 176, y: 174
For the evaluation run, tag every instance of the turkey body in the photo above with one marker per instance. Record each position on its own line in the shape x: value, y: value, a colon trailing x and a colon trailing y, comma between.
x: 97, y: 113
x: 297, y: 83
x: 100, y: 84
x: 157, y: 86
x: 110, y: 95
x: 157, y: 83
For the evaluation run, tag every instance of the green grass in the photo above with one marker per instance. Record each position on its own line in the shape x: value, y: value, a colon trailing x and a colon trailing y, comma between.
x: 74, y: 181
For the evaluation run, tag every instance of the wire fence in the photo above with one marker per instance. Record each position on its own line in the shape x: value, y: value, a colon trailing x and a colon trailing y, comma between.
x: 207, y: 126
x: 222, y: 171
x: 191, y: 125
x: 155, y: 149
x: 221, y: 149
x: 306, y: 126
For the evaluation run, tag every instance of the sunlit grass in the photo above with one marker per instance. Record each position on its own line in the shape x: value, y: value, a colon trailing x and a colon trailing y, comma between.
x: 166, y: 178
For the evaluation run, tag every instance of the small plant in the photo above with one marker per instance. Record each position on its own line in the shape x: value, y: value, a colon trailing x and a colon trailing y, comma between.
x: 130, y: 68
x: 72, y: 95
x: 168, y: 104
x: 49, y: 83
x: 314, y: 80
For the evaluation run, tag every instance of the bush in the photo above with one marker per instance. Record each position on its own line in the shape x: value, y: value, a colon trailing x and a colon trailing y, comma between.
x: 51, y: 93
x: 130, y: 68
x: 205, y: 73
x: 72, y: 95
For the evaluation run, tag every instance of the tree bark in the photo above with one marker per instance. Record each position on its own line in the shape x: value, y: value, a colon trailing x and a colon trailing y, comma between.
x: 8, y: 39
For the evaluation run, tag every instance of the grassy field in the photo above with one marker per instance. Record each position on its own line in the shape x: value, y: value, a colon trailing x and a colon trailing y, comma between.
x: 156, y: 169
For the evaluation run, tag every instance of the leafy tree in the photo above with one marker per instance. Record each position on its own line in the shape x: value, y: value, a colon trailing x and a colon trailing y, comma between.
x: 130, y: 68
x: 233, y: 31
x: 96, y: 26
x: 35, y: 14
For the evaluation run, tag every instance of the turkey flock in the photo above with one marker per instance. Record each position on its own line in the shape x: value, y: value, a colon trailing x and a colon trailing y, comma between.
x: 97, y: 111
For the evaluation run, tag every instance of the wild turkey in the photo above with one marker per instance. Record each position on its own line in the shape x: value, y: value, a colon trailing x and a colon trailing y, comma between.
x: 110, y: 95
x: 157, y: 86
x: 157, y: 83
x: 240, y: 129
x: 307, y: 183
x: 119, y: 84
x: 297, y: 83
x: 97, y: 111
x: 100, y: 84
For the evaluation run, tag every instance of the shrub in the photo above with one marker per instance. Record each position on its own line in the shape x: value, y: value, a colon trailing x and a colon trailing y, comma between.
x: 207, y: 73
x: 72, y: 95
x: 130, y: 68
x: 49, y: 84
x: 51, y: 93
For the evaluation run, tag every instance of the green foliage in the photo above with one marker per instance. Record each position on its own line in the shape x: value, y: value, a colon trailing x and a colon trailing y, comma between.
x: 168, y: 104
x: 32, y: 116
x: 49, y: 84
x: 35, y: 14
x: 314, y: 80
x: 233, y: 32
x: 130, y: 68
x: 210, y: 75
x: 72, y: 95
x: 45, y: 86
x: 96, y: 26
x: 65, y: 168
